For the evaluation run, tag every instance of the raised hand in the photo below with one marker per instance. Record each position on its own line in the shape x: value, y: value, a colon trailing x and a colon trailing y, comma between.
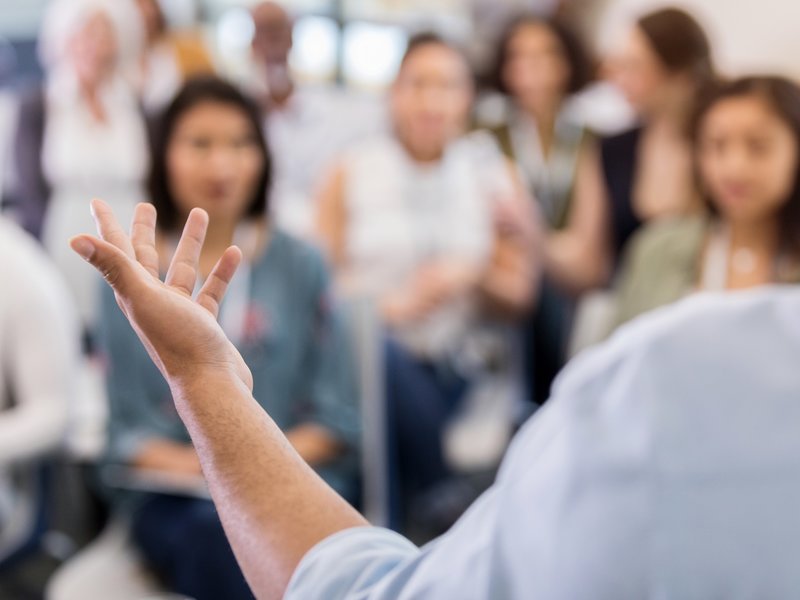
x: 273, y: 506
x: 180, y: 333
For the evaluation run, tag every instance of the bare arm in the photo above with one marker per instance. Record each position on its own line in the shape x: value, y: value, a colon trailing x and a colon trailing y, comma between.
x: 577, y: 258
x: 314, y: 443
x: 41, y: 338
x: 273, y: 506
x: 169, y: 456
x: 331, y: 220
x: 510, y: 283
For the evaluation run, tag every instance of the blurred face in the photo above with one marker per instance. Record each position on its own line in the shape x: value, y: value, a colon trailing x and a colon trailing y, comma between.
x: 430, y: 100
x: 748, y: 159
x: 151, y: 16
x: 639, y: 73
x: 536, y: 69
x: 213, y: 161
x: 272, y: 39
x: 93, y: 48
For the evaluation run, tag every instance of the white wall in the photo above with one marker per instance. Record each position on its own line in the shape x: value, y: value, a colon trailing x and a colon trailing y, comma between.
x: 748, y: 35
x: 20, y: 18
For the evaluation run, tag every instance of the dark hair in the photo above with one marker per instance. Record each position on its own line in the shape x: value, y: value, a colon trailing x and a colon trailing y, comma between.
x: 783, y: 97
x: 196, y: 91
x: 430, y: 38
x: 680, y: 43
x: 162, y: 20
x: 581, y: 64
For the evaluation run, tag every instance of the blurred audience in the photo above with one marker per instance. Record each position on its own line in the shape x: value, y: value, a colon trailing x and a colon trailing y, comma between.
x: 464, y: 240
x: 81, y: 134
x: 664, y: 65
x: 8, y: 113
x: 411, y: 220
x: 489, y: 18
x: 747, y: 154
x: 210, y: 153
x: 307, y: 125
x: 168, y: 58
x: 39, y: 352
x: 541, y: 63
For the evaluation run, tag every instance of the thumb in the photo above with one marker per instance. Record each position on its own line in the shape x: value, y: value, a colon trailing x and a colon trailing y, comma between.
x: 112, y: 263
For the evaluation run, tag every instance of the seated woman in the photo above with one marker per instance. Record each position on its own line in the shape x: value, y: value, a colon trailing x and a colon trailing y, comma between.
x: 39, y: 350
x: 747, y: 148
x: 664, y: 65
x: 71, y: 130
x: 209, y: 152
x: 540, y: 64
x: 410, y: 220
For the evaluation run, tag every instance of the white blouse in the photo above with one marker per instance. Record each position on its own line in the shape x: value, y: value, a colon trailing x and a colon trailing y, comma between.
x: 402, y: 215
x: 84, y: 159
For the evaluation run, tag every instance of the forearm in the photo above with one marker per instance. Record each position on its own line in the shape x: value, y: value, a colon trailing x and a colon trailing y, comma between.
x: 166, y: 455
x: 32, y: 429
x: 573, y: 265
x: 578, y: 257
x: 508, y: 294
x: 510, y: 284
x: 273, y: 506
x: 314, y: 443
x: 42, y: 361
x: 460, y: 277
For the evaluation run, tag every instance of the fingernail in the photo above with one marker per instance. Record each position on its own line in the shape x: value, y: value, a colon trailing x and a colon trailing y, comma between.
x: 83, y: 247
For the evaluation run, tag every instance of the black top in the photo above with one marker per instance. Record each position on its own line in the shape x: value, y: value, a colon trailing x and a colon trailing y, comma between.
x: 619, y: 154
x: 31, y: 192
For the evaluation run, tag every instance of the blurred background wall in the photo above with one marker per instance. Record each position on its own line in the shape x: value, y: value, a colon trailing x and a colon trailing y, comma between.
x: 747, y: 35
x: 360, y: 41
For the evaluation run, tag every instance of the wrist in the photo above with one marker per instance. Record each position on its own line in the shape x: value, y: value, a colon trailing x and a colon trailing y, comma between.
x: 195, y: 382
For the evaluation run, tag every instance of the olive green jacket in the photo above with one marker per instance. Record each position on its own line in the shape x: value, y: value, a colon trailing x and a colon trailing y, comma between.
x: 661, y: 265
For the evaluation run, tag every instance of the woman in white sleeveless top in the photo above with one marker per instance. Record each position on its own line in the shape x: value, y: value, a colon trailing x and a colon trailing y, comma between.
x: 410, y: 220
x: 94, y: 139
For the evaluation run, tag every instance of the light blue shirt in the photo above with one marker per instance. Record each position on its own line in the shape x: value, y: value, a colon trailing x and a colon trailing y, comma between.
x: 667, y: 465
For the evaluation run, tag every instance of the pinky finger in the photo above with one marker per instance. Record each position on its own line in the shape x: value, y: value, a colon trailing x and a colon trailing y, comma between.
x: 213, y: 290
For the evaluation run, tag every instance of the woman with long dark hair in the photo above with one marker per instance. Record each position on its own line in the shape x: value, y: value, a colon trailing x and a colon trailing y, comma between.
x: 665, y: 64
x: 209, y: 152
x: 746, y: 146
x: 541, y: 64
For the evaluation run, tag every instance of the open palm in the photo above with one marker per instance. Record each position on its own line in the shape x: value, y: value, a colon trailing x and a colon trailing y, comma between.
x: 180, y: 332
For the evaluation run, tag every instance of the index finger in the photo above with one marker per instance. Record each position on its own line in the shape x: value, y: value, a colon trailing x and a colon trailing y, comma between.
x: 109, y: 228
